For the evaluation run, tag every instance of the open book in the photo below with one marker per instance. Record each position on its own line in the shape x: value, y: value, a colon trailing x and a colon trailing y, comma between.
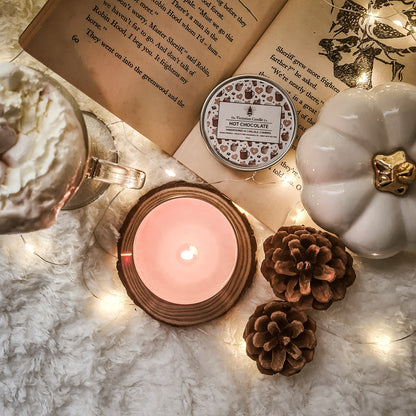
x: 153, y: 63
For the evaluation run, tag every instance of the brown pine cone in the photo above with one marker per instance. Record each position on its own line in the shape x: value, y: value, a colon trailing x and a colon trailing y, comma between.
x: 308, y: 267
x: 280, y: 338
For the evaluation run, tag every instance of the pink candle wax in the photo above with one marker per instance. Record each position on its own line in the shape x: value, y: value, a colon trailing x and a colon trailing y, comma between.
x: 185, y: 250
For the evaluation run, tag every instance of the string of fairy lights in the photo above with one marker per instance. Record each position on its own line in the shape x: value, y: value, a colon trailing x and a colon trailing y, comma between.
x: 113, y: 302
x: 396, y: 18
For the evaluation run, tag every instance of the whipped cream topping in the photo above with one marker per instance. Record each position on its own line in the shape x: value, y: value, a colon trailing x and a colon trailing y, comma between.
x: 42, y: 149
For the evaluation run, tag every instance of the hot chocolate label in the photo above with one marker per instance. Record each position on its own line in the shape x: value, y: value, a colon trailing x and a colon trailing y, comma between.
x: 249, y: 122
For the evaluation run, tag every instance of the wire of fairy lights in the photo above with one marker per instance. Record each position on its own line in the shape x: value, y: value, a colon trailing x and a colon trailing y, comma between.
x: 97, y: 242
x: 17, y: 56
x: 171, y: 173
x: 113, y: 302
x: 385, y: 340
x: 31, y: 249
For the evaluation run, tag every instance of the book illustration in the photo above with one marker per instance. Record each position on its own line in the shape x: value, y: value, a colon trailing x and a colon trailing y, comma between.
x: 364, y: 36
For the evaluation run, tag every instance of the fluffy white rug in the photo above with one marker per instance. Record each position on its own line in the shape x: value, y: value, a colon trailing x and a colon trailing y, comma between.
x: 72, y: 343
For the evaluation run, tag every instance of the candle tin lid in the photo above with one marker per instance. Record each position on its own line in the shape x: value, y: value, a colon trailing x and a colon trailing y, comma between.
x: 248, y: 122
x: 184, y: 314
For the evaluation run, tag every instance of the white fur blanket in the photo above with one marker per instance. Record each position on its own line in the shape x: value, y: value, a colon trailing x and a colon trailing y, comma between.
x: 72, y: 343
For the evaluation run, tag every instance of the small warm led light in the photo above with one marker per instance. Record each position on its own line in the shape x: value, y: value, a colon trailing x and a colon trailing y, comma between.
x: 371, y: 18
x: 383, y: 343
x: 363, y: 79
x: 29, y: 247
x: 299, y: 217
x: 170, y: 172
x: 111, y: 303
x: 189, y: 253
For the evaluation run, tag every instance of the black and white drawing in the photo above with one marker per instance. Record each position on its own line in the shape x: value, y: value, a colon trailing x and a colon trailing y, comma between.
x: 383, y: 33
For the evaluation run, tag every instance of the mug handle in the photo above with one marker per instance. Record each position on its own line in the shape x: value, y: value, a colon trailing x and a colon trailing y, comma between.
x: 114, y: 173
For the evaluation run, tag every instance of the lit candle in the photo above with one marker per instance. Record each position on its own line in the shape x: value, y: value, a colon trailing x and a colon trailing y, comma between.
x: 185, y: 250
x: 186, y: 253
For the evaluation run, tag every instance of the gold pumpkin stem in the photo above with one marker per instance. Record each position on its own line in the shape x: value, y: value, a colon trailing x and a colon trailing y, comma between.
x: 394, y: 172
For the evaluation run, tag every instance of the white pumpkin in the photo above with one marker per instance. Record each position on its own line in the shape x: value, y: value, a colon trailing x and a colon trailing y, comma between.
x: 335, y: 161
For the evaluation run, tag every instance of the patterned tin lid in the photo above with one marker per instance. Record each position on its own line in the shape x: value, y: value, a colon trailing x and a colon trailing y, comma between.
x: 248, y: 122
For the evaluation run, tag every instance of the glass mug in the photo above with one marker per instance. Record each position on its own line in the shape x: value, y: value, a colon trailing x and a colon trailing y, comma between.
x: 102, y: 167
x: 79, y: 176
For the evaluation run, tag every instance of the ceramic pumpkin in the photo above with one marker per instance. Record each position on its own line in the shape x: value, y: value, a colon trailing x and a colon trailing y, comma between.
x: 357, y: 164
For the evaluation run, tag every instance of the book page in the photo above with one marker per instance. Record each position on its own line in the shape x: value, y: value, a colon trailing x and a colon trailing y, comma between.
x: 150, y: 62
x: 313, y: 50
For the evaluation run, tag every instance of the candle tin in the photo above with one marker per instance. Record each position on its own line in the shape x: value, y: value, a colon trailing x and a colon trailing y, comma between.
x: 248, y: 122
x: 159, y: 307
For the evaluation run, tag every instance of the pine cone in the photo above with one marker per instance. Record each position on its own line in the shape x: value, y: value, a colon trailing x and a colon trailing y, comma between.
x: 308, y: 267
x: 280, y: 338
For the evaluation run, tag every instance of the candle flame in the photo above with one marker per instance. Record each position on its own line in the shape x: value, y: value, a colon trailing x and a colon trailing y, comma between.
x: 189, y: 253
